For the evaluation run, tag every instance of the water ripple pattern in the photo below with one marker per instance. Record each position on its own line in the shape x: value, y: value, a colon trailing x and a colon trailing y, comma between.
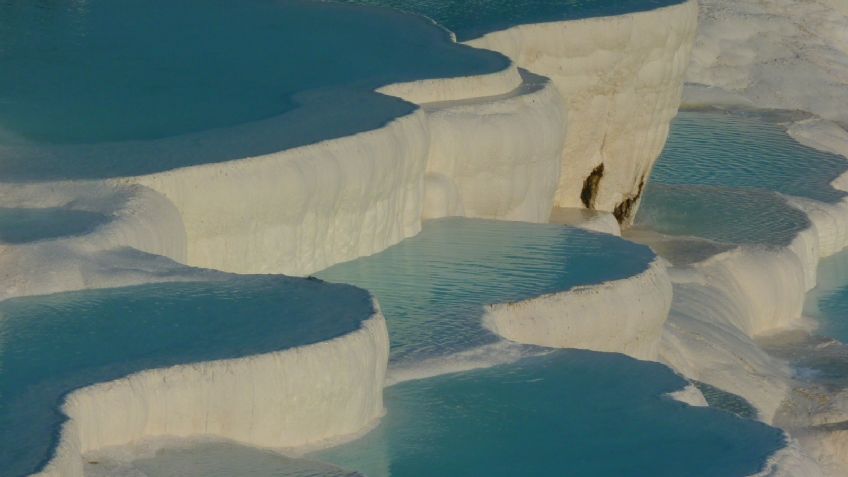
x: 432, y: 288
x: 734, y: 216
x: 751, y: 150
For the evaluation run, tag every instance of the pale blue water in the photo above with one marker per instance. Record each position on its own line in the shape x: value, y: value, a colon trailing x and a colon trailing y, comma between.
x: 30, y: 225
x: 571, y: 412
x: 73, y: 74
x: 745, y: 150
x: 432, y: 287
x: 53, y: 344
x: 721, y: 176
x: 474, y: 18
x: 734, y: 216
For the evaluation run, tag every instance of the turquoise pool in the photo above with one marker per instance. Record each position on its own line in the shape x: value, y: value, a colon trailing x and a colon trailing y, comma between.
x: 723, y: 176
x: 88, y: 88
x: 51, y: 345
x: 738, y: 149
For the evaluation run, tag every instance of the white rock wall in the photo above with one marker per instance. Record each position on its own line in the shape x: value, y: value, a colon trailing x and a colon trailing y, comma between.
x: 620, y: 316
x: 303, y: 209
x: 621, y: 79
x: 497, y: 157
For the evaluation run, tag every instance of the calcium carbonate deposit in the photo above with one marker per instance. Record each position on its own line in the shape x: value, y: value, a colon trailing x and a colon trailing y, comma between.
x: 297, y: 237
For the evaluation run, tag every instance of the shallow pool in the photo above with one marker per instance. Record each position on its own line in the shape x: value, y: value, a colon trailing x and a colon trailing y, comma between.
x: 723, y: 176
x: 433, y: 287
x: 738, y: 149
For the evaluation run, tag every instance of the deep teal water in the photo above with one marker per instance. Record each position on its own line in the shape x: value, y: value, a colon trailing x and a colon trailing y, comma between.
x: 53, y: 344
x: 30, y: 225
x: 571, y: 412
x: 432, y: 287
x: 73, y: 74
x: 474, y: 18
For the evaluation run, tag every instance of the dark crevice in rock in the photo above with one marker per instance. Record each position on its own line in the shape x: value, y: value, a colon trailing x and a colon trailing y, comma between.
x: 590, y: 186
x: 624, y: 209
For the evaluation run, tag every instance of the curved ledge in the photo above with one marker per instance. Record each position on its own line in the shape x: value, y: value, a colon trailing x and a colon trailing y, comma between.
x: 209, y: 399
x: 134, y: 217
x: 621, y: 316
x: 201, y: 358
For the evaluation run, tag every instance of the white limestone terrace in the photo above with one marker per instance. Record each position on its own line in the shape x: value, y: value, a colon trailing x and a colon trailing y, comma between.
x: 509, y: 170
x: 353, y: 173
x: 751, y: 285
x: 331, y: 200
x: 769, y: 54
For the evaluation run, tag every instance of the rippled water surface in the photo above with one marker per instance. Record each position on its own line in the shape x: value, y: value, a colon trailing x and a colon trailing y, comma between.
x: 54, y: 344
x: 474, y: 18
x: 30, y: 225
x: 433, y: 287
x: 721, y: 176
x: 750, y: 150
x: 734, y: 216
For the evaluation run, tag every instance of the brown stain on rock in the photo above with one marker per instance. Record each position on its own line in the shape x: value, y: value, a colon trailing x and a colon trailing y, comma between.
x: 590, y: 186
x: 623, y: 210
